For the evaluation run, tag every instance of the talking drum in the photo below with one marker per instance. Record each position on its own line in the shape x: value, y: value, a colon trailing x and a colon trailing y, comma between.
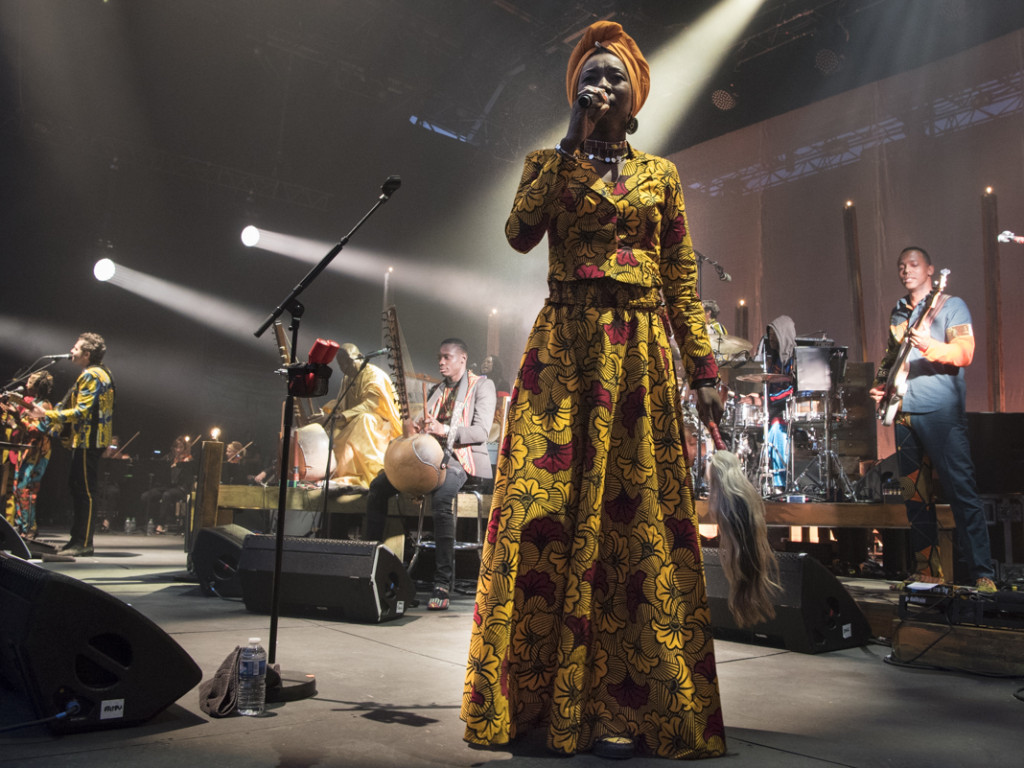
x: 312, y: 451
x: 413, y: 464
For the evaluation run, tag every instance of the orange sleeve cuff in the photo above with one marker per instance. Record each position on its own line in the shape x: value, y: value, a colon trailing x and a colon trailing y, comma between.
x: 958, y: 352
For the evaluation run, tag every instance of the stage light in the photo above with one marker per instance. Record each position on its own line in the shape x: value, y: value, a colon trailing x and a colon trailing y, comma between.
x: 724, y: 99
x: 250, y: 236
x: 827, y: 61
x: 682, y: 70
x: 103, y: 270
x: 215, y: 433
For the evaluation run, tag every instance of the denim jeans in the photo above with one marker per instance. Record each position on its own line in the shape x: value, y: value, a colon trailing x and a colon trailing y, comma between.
x: 939, y: 439
x: 443, y: 510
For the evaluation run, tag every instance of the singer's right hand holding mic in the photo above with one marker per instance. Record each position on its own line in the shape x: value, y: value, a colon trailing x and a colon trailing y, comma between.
x: 589, y: 107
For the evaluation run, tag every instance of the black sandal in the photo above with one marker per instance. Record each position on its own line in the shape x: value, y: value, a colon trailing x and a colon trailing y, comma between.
x: 438, y: 599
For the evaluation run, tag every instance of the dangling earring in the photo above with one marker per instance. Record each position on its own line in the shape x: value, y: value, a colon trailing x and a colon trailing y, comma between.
x: 632, y: 125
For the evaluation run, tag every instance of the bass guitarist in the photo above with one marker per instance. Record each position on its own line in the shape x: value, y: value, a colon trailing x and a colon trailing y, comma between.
x: 931, y: 425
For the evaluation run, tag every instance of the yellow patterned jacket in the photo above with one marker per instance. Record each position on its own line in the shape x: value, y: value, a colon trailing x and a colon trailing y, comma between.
x: 90, y: 409
x: 633, y: 231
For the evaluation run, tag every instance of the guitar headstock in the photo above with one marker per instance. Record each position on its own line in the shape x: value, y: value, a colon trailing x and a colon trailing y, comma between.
x: 940, y: 284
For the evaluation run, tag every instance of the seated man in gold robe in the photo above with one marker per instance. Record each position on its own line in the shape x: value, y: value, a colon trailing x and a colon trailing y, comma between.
x: 364, y: 421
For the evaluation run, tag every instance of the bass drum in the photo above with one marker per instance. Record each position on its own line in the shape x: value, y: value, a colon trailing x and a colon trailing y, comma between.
x: 413, y: 464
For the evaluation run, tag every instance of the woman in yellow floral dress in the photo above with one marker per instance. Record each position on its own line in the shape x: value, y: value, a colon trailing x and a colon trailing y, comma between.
x: 591, y: 616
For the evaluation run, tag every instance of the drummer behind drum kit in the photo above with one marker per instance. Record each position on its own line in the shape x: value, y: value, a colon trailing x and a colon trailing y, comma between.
x: 813, y: 412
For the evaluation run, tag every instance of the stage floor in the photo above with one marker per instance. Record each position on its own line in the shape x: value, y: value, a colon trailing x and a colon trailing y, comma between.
x: 389, y: 694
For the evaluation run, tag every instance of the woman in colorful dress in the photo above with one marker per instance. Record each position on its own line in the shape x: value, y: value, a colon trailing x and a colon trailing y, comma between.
x: 30, y: 463
x: 591, y: 618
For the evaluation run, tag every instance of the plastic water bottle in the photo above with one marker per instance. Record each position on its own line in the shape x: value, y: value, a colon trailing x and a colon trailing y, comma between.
x: 150, y: 528
x: 252, y: 679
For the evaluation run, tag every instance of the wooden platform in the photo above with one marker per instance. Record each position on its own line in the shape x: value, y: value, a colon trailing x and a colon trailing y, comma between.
x: 826, y: 514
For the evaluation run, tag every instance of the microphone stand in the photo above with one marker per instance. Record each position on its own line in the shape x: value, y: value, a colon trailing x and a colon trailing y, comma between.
x: 718, y: 267
x: 700, y: 479
x: 329, y: 428
x: 304, y: 686
x: 22, y: 376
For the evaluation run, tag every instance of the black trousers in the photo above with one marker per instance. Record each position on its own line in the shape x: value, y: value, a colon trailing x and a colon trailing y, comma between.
x: 84, y: 489
x: 381, y: 490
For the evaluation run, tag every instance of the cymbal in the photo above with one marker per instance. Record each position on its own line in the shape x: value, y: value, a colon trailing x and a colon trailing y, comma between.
x: 762, y: 378
x: 729, y: 345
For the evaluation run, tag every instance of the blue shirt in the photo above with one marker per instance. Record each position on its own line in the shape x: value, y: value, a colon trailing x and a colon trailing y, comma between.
x: 931, y: 386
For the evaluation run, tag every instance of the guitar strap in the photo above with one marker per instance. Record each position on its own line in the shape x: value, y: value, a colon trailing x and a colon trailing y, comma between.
x: 939, y: 302
x: 456, y: 418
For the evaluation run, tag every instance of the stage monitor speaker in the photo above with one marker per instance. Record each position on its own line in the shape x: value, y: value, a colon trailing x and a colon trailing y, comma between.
x: 813, y: 613
x: 11, y: 541
x: 358, y: 581
x: 997, y: 448
x: 64, y: 641
x: 215, y: 557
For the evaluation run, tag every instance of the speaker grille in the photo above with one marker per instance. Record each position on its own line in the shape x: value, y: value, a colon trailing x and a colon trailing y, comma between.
x: 64, y: 640
x: 813, y: 612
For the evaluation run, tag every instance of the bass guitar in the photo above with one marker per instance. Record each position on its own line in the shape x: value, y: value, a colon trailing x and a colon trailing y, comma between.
x: 896, y: 382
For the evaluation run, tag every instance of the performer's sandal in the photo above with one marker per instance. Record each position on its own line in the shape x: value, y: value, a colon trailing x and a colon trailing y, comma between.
x: 439, y: 599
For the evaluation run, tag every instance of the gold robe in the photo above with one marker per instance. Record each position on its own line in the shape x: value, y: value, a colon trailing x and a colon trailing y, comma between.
x: 367, y: 420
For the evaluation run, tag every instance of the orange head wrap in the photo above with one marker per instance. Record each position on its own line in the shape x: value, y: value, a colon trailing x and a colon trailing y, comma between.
x: 608, y: 35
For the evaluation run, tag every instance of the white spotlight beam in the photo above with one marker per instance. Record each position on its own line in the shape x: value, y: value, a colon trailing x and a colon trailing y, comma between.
x: 28, y: 338
x: 413, y: 274
x: 681, y: 69
x: 350, y: 261
x: 227, y: 317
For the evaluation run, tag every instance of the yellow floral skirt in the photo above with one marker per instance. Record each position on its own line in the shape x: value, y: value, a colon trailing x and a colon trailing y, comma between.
x: 591, y: 617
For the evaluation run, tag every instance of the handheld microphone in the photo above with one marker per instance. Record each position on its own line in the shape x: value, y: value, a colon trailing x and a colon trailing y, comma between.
x: 586, y: 100
x: 65, y: 356
x: 378, y: 353
x: 390, y: 185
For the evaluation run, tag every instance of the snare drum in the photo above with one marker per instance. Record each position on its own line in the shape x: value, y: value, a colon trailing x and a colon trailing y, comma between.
x: 749, y: 416
x: 806, y: 408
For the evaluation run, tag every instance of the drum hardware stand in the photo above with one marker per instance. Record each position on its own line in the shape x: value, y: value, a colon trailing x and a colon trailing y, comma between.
x: 296, y: 685
x: 830, y: 468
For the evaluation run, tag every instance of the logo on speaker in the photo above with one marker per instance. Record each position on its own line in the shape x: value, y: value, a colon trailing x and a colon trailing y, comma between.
x: 112, y: 709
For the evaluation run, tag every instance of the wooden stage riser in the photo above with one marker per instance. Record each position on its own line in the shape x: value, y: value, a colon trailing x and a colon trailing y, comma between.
x: 828, y: 515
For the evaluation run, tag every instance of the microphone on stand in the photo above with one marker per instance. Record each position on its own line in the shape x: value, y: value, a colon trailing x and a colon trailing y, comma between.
x: 724, y: 276
x: 377, y: 353
x: 390, y: 185
x: 65, y: 356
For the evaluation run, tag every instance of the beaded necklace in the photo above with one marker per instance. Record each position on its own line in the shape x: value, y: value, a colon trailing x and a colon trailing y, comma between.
x: 609, y: 152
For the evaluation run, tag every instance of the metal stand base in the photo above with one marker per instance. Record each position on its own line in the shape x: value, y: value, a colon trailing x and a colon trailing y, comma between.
x: 289, y: 686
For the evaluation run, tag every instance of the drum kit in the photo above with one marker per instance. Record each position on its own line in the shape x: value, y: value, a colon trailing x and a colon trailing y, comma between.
x: 813, y: 412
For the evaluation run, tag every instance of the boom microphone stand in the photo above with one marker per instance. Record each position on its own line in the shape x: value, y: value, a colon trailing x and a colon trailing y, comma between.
x: 307, y: 686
